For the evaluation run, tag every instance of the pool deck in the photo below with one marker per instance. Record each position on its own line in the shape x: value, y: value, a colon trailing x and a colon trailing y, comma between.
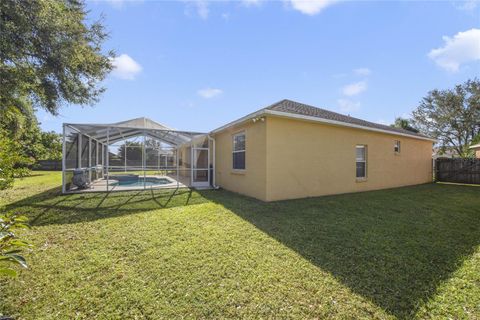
x: 101, y: 185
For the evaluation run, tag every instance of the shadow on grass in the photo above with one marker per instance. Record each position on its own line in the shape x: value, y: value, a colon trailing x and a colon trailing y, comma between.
x: 51, y: 207
x: 393, y: 247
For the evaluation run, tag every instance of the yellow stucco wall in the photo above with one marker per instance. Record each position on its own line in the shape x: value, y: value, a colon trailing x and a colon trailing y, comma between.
x: 288, y: 159
x: 477, y: 153
x: 251, y: 181
x: 306, y: 159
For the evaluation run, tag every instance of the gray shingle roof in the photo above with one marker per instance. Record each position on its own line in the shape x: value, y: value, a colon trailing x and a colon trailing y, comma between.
x: 289, y: 106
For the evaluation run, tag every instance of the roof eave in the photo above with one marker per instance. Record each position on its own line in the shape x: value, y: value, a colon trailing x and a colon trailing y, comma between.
x: 343, y: 124
x: 314, y: 119
x: 239, y: 121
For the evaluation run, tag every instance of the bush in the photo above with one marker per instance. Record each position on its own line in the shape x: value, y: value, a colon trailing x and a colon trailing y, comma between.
x: 12, y: 163
x: 22, y: 172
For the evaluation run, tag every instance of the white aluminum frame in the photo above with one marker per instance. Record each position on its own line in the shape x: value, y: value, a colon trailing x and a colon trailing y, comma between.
x: 397, y: 144
x: 238, y: 151
x: 165, y: 135
x: 194, y: 168
x: 365, y: 161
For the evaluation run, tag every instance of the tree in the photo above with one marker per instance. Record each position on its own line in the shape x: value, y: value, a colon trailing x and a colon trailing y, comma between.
x: 475, y: 140
x: 19, y: 133
x: 52, y: 146
x: 23, y: 129
x: 134, y: 151
x: 12, y: 162
x: 49, y: 55
x: 451, y: 116
x: 403, y: 124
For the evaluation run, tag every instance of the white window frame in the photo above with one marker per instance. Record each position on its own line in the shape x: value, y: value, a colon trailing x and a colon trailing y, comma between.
x: 396, y: 144
x: 364, y: 147
x: 242, y: 133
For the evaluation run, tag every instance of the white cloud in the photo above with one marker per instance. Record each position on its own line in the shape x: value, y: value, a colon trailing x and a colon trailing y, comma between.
x: 209, y: 93
x: 464, y: 47
x: 354, y: 88
x: 311, y: 7
x: 348, y: 105
x: 199, y: 7
x: 225, y: 16
x: 250, y: 3
x: 468, y: 5
x: 384, y: 122
x: 119, y: 4
x: 124, y: 67
x: 202, y: 9
x: 362, y: 72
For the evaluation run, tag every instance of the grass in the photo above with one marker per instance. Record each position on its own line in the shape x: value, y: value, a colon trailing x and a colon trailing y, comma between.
x: 401, y: 253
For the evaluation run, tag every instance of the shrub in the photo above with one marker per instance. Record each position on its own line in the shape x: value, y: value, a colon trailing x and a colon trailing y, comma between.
x: 10, y: 245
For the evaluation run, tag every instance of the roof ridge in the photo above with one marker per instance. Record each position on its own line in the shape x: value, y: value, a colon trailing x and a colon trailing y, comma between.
x: 275, y: 103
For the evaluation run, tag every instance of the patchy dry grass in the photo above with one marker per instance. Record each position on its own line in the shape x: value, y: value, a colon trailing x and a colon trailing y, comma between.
x: 404, y: 253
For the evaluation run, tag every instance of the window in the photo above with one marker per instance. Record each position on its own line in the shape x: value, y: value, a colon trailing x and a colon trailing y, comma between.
x: 239, y: 151
x: 396, y: 146
x: 361, y: 161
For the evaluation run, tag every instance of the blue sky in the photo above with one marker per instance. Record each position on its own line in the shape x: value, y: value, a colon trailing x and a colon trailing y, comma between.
x: 196, y: 65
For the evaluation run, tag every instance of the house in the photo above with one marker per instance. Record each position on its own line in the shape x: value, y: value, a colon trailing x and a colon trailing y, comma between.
x: 284, y: 151
x: 447, y: 152
x: 292, y: 150
x: 476, y: 148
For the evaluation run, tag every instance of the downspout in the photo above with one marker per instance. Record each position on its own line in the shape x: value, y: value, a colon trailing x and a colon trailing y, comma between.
x: 63, y: 161
x: 108, y: 157
x: 176, y: 162
x: 89, y: 159
x: 213, y: 161
x: 144, y: 159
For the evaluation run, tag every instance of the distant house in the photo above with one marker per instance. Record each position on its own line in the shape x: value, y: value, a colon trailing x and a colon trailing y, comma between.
x: 284, y: 151
x: 446, y: 153
x: 476, y: 148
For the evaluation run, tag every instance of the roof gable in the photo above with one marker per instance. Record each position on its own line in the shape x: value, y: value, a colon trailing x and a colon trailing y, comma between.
x: 142, y: 122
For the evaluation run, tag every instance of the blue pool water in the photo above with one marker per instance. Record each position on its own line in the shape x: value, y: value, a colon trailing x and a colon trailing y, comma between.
x: 138, y: 182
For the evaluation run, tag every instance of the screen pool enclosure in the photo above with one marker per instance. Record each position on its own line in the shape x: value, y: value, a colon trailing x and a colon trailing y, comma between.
x: 137, y: 154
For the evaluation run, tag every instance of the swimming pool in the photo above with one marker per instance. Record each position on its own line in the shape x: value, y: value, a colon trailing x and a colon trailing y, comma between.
x: 136, y: 181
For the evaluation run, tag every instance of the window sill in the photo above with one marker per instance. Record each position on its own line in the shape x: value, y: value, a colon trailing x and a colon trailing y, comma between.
x: 361, y: 180
x: 238, y: 171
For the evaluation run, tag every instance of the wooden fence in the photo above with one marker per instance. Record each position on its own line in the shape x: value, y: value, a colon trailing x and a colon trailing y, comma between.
x: 457, y: 170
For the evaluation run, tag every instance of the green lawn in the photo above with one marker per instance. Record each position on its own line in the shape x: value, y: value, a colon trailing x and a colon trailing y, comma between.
x: 402, y: 253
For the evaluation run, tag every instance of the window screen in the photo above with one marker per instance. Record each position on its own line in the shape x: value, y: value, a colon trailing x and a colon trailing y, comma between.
x: 361, y: 161
x: 239, y: 151
x: 396, y: 146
